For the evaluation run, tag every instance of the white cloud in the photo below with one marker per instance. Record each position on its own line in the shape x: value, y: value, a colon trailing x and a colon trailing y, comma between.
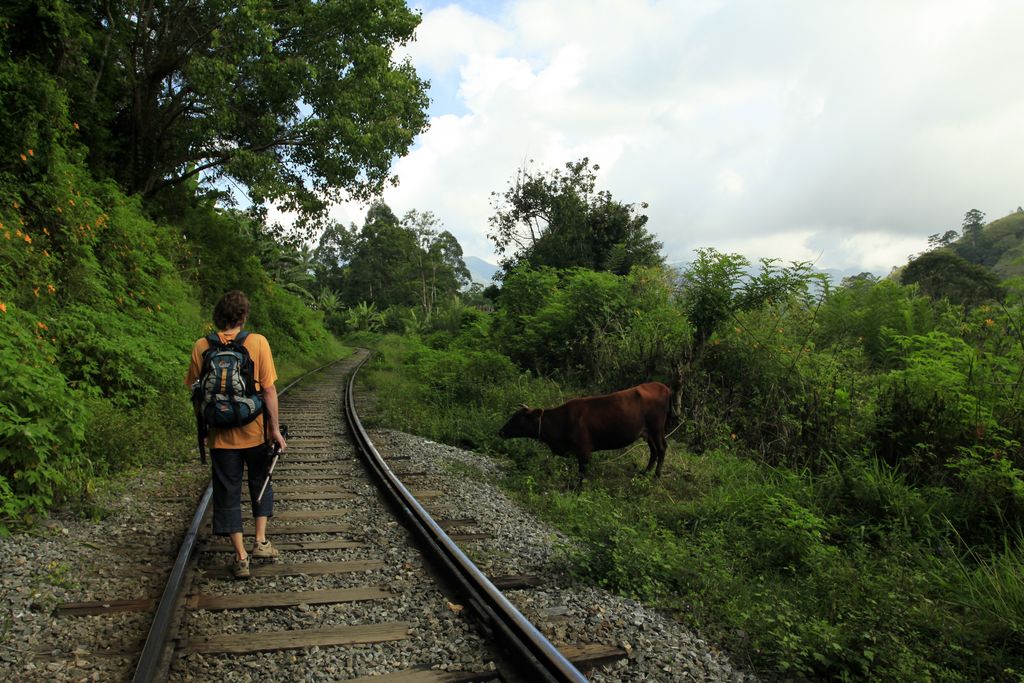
x: 877, y: 252
x: 447, y: 36
x: 843, y: 132
x: 730, y: 182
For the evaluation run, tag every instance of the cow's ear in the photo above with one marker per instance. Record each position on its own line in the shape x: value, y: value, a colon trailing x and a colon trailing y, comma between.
x: 524, y: 406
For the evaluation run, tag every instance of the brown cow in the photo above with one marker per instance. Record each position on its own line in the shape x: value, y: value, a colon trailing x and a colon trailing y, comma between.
x: 599, y: 423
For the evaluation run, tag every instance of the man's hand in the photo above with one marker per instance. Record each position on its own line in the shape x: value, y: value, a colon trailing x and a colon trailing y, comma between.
x: 274, y: 435
x: 277, y: 440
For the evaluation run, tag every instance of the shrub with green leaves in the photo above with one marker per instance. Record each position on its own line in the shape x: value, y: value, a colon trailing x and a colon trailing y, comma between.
x: 932, y: 405
x: 97, y: 321
x: 611, y: 331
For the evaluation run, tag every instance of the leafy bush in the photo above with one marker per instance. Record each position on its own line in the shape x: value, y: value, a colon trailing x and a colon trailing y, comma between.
x: 42, y: 422
x: 609, y: 330
x: 866, y: 312
x: 930, y: 406
x: 991, y: 493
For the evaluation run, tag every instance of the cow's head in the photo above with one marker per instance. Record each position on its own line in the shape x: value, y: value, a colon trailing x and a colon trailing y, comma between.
x: 523, y: 422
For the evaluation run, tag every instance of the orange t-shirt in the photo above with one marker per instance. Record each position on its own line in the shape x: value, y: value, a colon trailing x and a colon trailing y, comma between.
x: 265, y: 375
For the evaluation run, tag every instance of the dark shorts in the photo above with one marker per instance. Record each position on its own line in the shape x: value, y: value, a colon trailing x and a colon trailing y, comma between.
x: 228, y: 467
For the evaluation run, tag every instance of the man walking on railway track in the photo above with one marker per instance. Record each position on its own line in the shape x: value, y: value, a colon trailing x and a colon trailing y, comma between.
x: 247, y: 446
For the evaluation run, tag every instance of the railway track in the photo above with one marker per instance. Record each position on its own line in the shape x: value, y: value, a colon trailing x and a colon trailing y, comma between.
x: 368, y: 581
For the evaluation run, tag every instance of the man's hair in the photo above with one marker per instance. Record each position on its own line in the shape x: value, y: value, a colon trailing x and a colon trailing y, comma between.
x: 231, y: 310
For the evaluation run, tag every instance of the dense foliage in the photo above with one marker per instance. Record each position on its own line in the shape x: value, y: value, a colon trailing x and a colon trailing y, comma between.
x: 388, y: 262
x: 558, y: 219
x: 844, y: 493
x: 297, y: 101
x: 113, y: 247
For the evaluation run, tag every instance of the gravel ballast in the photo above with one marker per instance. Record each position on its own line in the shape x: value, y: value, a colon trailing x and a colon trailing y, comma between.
x: 69, y: 558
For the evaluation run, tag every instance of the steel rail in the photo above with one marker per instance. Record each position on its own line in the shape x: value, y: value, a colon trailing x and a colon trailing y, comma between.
x: 533, y: 654
x: 153, y: 658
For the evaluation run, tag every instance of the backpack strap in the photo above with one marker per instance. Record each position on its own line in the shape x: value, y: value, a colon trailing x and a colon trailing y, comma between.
x: 213, y: 340
x: 239, y: 340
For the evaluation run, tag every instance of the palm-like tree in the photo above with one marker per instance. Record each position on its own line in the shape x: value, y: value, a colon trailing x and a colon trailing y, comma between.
x: 364, y: 317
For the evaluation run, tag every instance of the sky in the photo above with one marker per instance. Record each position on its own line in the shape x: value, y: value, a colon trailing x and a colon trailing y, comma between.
x: 841, y: 132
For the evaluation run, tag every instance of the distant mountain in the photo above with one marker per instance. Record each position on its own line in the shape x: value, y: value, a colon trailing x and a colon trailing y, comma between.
x: 480, y: 270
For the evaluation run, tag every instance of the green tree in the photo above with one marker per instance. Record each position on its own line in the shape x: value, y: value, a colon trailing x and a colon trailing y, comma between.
x: 439, y: 265
x: 381, y: 270
x: 716, y: 286
x: 300, y: 102
x: 944, y: 240
x: 973, y: 222
x: 332, y: 254
x: 942, y: 274
x: 364, y: 317
x: 559, y: 220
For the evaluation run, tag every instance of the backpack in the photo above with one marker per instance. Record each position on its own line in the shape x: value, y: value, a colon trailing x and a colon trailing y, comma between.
x: 225, y: 395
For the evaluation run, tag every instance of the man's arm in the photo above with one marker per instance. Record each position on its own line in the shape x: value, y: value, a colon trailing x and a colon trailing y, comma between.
x: 273, y: 426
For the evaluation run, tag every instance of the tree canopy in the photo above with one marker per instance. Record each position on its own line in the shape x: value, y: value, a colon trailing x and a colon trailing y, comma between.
x: 559, y: 220
x: 941, y: 273
x: 391, y: 261
x: 297, y: 102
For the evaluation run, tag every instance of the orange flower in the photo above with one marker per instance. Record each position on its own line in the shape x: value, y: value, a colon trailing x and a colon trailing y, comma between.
x: 75, y: 124
x: 35, y: 290
x: 15, y: 205
x: 28, y: 239
x: 51, y: 289
x: 60, y: 210
x: 71, y: 202
x: 46, y: 253
x: 990, y: 322
x: 41, y: 325
x: 31, y: 153
x: 3, y: 307
x: 24, y: 158
x: 17, y: 233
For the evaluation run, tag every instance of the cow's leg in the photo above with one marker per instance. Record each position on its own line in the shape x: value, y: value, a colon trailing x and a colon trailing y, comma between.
x: 661, y: 456
x: 653, y: 447
x: 582, y: 460
x: 657, y: 432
